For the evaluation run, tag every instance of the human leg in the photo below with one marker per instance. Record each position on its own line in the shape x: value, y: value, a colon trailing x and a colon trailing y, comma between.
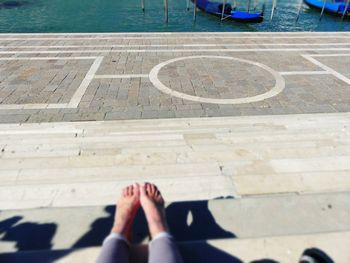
x: 115, y: 248
x: 162, y: 248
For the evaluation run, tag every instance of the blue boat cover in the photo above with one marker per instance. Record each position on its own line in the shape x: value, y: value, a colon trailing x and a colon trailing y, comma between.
x: 216, y: 9
x: 335, y: 7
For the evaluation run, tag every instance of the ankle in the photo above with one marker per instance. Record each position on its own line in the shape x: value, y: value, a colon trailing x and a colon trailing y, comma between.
x: 157, y: 227
x: 119, y: 229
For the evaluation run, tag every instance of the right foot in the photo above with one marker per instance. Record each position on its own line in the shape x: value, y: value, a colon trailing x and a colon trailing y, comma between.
x: 127, y: 206
x: 152, y: 203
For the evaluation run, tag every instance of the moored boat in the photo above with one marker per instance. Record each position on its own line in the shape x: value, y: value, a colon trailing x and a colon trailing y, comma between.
x: 336, y: 7
x: 215, y: 8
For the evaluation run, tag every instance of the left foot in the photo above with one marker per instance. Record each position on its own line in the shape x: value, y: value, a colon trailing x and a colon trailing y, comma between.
x: 127, y: 207
x: 153, y: 205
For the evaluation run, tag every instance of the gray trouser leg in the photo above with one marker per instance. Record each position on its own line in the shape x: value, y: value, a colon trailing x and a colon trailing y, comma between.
x: 164, y: 250
x: 114, y: 251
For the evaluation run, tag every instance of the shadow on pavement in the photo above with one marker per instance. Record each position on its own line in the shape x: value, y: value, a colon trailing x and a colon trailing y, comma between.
x: 188, y: 221
x: 27, y: 235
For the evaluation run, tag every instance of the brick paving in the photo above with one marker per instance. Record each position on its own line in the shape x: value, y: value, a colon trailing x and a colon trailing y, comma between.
x: 121, y: 89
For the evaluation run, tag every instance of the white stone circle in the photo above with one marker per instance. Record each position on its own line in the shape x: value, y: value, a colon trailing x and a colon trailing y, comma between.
x: 278, y: 88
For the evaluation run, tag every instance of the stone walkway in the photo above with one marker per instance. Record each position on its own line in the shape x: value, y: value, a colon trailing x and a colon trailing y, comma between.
x: 86, y: 77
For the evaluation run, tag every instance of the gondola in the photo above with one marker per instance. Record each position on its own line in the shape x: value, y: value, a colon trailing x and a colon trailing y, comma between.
x: 337, y: 7
x: 215, y: 8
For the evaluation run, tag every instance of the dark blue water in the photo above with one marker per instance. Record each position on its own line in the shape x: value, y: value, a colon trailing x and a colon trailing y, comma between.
x: 127, y: 16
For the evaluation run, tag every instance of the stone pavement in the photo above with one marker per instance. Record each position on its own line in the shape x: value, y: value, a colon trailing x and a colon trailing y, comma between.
x: 86, y: 77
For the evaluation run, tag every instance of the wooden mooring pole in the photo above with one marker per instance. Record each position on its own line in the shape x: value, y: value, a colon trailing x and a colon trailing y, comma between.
x: 143, y: 5
x: 166, y: 11
x: 195, y: 11
x: 323, y: 8
x: 274, y: 4
x: 299, y: 10
x: 255, y: 5
x: 223, y: 10
x: 345, y: 9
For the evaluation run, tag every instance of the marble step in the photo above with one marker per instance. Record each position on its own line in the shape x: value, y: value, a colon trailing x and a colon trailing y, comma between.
x: 251, y: 217
x: 114, y: 138
x: 97, y: 188
x: 107, y: 155
x: 64, y: 164
x: 287, y: 249
x: 118, y: 128
x: 96, y: 192
x: 197, y: 142
x: 291, y: 121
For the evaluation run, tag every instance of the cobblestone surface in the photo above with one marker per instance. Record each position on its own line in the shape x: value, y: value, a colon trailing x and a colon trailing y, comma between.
x: 40, y: 81
x: 121, y: 89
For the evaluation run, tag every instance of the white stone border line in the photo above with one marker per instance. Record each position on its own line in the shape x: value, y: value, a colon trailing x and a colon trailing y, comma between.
x: 124, y: 76
x: 278, y: 88
x: 79, y: 93
x: 328, y: 69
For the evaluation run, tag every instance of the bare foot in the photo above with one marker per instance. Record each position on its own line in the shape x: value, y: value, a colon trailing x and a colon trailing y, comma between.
x: 152, y: 203
x: 127, y: 207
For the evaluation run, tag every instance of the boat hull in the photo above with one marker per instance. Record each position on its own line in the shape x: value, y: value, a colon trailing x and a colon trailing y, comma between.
x: 336, y: 8
x: 215, y: 8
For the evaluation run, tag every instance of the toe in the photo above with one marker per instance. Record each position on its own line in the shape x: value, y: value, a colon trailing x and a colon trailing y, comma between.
x: 148, y: 188
x: 128, y: 191
x: 125, y: 191
x: 156, y: 190
x: 153, y: 189
x: 160, y: 199
x: 159, y: 196
x: 136, y: 187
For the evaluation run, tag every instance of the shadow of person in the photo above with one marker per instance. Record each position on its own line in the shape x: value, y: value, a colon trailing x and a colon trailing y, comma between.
x: 101, y: 228
x: 29, y: 236
x: 98, y: 231
x: 189, y: 221
x: 7, y: 224
x: 191, y: 224
x: 41, y: 234
x: 193, y: 221
x: 202, y: 227
x: 205, y: 253
x: 192, y: 234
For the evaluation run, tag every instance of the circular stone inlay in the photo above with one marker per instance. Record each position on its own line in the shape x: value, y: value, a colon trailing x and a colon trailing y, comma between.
x: 273, y: 91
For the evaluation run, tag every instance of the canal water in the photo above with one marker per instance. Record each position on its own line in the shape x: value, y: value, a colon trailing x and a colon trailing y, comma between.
x: 23, y: 16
